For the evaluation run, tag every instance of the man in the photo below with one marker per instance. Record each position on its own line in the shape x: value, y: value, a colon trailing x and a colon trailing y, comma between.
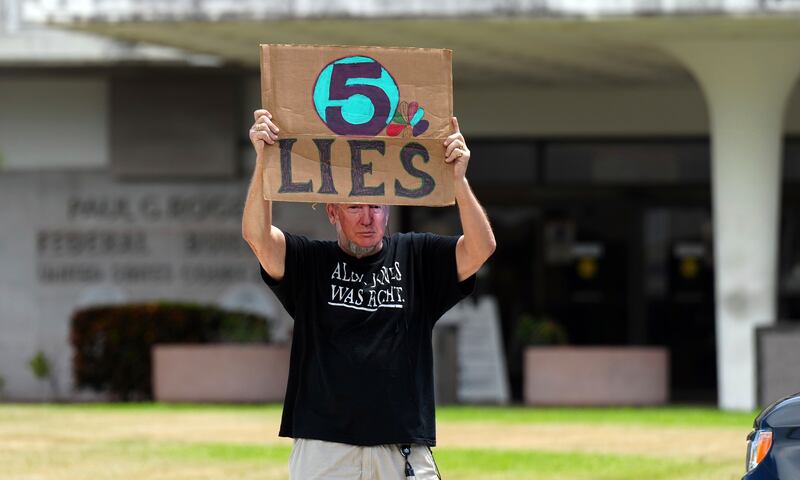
x: 359, y: 401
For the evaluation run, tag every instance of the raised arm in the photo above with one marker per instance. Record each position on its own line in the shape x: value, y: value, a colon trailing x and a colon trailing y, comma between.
x: 266, y: 240
x: 477, y: 243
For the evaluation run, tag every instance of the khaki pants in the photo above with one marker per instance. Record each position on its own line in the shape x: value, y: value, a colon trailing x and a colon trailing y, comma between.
x: 318, y: 460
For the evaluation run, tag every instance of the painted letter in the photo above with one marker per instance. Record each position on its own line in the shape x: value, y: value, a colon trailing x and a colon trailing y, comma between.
x: 324, y: 147
x: 407, y: 155
x: 359, y: 169
x: 287, y: 185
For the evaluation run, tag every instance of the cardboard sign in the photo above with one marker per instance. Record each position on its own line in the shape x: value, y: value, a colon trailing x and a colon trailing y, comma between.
x: 358, y: 124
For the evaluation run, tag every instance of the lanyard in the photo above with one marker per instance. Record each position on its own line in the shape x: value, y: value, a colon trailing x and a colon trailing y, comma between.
x: 405, y: 450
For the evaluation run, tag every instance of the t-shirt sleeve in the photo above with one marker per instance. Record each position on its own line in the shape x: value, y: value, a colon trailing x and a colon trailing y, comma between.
x: 296, y: 260
x: 441, y: 274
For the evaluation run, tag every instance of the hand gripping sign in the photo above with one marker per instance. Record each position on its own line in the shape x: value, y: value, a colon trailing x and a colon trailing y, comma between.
x: 358, y: 124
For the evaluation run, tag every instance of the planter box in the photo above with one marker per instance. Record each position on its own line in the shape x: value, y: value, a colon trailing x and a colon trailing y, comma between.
x: 596, y: 376
x: 220, y: 373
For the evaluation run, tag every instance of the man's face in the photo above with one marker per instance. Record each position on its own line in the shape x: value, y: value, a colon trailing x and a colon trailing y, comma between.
x: 362, y: 225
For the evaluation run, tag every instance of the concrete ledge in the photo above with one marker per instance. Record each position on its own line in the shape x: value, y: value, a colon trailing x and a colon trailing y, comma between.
x: 596, y: 376
x: 220, y: 373
x: 777, y: 357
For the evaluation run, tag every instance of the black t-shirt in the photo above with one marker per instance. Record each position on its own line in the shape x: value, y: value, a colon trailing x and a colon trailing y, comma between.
x: 361, y: 369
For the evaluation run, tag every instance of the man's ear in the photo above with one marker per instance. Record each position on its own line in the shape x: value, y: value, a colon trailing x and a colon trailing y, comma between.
x: 330, y: 209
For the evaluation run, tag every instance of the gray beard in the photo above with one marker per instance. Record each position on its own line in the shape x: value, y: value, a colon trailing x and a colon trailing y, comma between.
x: 359, y: 252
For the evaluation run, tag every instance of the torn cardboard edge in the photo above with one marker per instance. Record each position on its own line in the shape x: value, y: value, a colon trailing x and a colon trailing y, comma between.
x: 305, y: 88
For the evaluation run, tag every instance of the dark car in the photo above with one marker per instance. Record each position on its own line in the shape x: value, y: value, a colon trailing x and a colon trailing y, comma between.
x: 773, y: 447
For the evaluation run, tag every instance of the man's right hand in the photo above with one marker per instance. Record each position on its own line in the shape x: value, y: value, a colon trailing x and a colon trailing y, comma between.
x: 263, y: 130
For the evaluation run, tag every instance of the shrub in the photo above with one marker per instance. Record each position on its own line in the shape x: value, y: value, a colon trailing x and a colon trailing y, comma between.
x: 42, y: 370
x: 112, y: 344
x: 540, y: 331
x: 40, y: 366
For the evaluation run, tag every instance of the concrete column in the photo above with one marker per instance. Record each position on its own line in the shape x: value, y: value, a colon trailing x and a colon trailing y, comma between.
x: 9, y: 11
x: 746, y: 85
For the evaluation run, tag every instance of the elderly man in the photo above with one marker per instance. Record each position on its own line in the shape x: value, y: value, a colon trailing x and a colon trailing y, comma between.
x: 359, y: 401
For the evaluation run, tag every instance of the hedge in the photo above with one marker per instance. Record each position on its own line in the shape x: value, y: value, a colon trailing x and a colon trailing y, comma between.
x: 112, y: 343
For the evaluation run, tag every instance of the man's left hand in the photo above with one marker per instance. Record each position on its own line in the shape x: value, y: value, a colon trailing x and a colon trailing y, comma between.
x: 457, y: 152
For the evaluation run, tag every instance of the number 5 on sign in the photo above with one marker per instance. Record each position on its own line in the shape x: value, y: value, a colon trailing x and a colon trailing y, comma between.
x: 356, y: 96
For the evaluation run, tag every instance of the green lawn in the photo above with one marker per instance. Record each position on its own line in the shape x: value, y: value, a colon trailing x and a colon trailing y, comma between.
x: 177, y: 442
x: 659, y: 417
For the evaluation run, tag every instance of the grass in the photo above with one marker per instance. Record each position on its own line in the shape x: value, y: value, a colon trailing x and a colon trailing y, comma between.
x: 661, y: 417
x: 177, y: 442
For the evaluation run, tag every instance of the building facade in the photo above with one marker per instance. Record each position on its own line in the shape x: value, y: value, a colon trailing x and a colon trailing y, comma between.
x: 637, y: 160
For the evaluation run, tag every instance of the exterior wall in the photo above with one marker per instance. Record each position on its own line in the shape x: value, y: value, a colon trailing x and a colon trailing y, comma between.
x: 174, y: 125
x: 80, y: 239
x: 52, y: 122
x: 73, y: 235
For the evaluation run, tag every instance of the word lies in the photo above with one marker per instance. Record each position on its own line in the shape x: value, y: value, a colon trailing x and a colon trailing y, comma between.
x: 358, y: 169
